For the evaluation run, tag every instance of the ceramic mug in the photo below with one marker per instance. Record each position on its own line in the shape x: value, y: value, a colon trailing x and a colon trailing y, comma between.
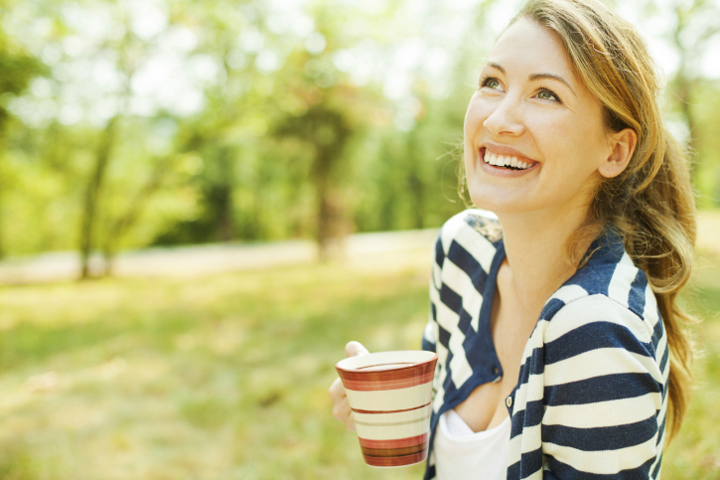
x: 390, y: 394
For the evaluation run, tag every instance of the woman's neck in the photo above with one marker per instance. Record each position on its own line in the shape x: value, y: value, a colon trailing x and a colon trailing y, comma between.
x: 536, y: 258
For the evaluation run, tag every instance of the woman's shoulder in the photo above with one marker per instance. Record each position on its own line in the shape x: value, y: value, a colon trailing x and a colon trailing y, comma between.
x: 610, y: 281
x: 484, y: 222
x: 470, y: 225
x: 593, y: 332
x: 598, y: 317
x: 470, y: 237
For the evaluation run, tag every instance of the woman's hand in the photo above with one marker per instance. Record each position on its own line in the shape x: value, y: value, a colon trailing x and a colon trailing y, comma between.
x: 341, y: 407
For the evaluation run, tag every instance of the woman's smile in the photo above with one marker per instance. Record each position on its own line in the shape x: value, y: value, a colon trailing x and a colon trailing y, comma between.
x: 505, y: 162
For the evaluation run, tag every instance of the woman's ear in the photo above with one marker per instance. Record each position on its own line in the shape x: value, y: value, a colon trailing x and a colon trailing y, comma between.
x: 622, y: 146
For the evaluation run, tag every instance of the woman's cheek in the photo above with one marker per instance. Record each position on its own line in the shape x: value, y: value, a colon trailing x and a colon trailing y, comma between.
x: 470, y: 119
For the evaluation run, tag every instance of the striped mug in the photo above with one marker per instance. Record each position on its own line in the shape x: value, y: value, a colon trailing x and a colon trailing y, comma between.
x: 390, y: 394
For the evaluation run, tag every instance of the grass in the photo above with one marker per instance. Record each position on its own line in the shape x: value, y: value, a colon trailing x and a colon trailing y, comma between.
x: 696, y: 452
x: 226, y: 376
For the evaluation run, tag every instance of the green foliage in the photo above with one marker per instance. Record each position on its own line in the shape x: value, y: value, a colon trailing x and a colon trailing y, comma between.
x: 706, y: 104
x: 253, y: 163
x: 410, y: 181
x: 241, y: 121
x: 17, y: 68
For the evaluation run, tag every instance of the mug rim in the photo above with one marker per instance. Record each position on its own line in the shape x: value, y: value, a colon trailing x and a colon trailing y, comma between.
x: 432, y: 356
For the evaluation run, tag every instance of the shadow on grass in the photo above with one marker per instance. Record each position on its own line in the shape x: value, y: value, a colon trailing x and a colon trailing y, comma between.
x: 27, y: 344
x: 18, y: 462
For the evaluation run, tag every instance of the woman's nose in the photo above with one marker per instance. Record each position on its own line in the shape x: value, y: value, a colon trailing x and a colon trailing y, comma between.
x: 505, y: 119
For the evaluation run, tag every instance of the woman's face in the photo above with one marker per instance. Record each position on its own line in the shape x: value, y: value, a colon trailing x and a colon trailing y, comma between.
x: 534, y: 134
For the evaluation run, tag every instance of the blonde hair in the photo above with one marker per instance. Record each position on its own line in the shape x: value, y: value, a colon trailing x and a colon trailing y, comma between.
x: 652, y: 203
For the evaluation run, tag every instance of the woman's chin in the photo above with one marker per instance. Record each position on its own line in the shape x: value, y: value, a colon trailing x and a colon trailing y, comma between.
x: 500, y: 202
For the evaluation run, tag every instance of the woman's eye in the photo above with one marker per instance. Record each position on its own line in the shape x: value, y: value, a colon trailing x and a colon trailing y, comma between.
x: 490, y: 82
x: 548, y: 95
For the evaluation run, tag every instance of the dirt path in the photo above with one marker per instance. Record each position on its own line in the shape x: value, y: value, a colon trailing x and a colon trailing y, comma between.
x: 361, y: 250
x: 387, y: 250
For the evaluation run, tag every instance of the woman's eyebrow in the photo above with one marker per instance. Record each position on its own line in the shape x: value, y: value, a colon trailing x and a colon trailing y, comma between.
x: 552, y: 76
x: 537, y: 76
x: 495, y: 65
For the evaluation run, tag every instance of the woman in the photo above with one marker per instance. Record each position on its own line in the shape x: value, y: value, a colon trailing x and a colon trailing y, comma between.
x: 560, y: 342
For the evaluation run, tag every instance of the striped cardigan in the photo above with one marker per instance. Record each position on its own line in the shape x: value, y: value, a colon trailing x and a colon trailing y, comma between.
x: 591, y: 396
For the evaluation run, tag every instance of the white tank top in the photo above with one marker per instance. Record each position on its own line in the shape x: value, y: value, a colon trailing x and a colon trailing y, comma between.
x: 461, y: 453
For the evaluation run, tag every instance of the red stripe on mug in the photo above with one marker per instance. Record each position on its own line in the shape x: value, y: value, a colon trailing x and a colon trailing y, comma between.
x: 379, y: 385
x: 396, y: 461
x: 397, y: 443
x: 388, y: 375
x: 371, y: 412
x: 394, y: 452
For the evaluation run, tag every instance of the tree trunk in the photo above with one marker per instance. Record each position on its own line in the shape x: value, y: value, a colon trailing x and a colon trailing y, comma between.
x: 223, y: 193
x: 2, y: 190
x: 418, y: 193
x: 225, y: 213
x: 124, y: 224
x: 92, y: 195
x: 684, y: 92
x: 330, y: 228
x: 414, y: 181
x: 323, y: 215
x: 682, y: 82
x: 3, y: 146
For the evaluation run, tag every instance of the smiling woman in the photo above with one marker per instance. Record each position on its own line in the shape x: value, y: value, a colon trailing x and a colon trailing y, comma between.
x: 531, y: 110
x: 561, y: 349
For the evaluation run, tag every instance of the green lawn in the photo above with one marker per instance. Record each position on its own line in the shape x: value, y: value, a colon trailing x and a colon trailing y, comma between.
x: 226, y: 376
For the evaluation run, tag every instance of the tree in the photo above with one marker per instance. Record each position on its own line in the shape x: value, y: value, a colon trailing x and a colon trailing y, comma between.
x: 695, y: 26
x: 136, y: 206
x: 326, y: 130
x: 17, y: 69
x: 689, y: 24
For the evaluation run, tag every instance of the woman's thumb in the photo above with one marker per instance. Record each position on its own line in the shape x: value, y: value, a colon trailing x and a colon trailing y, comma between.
x: 355, y: 348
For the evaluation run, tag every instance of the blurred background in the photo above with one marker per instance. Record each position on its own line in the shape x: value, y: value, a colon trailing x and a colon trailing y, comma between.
x: 243, y: 187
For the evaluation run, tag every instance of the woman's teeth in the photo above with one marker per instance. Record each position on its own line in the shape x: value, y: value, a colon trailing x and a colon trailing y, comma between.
x: 505, y: 161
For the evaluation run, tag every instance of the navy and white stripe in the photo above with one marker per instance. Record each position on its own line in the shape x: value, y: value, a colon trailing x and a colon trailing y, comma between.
x: 591, y: 397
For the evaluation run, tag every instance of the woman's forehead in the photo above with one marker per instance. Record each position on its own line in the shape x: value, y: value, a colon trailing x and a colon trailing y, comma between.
x: 526, y: 46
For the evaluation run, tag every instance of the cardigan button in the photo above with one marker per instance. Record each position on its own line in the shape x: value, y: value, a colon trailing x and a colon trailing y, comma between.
x: 509, y: 402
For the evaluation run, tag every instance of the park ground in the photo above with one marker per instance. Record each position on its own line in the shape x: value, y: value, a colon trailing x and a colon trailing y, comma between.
x: 222, y: 373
